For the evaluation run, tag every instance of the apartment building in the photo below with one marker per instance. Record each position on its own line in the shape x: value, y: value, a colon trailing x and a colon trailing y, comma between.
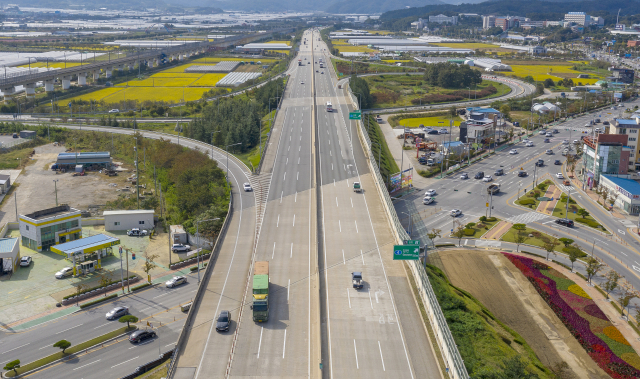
x: 629, y: 127
x: 605, y: 154
x: 441, y: 19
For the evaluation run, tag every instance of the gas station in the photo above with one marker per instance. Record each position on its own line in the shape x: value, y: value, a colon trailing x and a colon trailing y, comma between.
x: 86, y: 253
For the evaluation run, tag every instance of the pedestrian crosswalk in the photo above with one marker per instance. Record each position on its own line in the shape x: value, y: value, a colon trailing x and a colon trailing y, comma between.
x: 527, y: 218
x: 563, y: 188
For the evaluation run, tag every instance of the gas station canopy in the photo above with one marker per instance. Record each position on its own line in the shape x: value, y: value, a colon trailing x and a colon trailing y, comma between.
x: 85, y: 245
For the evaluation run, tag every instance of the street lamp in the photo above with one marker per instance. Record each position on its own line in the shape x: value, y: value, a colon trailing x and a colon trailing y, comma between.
x: 55, y: 185
x: 212, y: 133
x: 198, y: 235
x: 227, y: 149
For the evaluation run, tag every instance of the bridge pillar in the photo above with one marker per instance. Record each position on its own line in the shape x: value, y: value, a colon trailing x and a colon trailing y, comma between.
x: 180, y: 57
x: 157, y: 64
x: 8, y: 93
x: 82, y: 79
x: 48, y: 85
x: 120, y: 68
x: 30, y: 89
x: 130, y: 67
x: 96, y: 74
x: 108, y: 71
x: 66, y: 82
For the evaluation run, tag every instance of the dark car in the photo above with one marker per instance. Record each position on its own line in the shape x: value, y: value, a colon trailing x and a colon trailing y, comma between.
x: 605, y: 123
x: 540, y: 163
x: 522, y: 173
x: 499, y: 172
x: 547, y: 140
x: 479, y: 175
x: 117, y: 312
x: 556, y: 131
x: 565, y: 221
x: 433, y: 131
x: 557, y: 162
x: 141, y: 335
x: 224, y: 320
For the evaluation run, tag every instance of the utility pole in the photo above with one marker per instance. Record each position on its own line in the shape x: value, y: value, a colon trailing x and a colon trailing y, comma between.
x: 135, y: 148
x: 121, y: 272
x: 55, y: 185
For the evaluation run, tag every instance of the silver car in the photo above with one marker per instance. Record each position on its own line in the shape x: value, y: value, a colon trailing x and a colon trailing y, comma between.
x: 176, y: 281
x: 117, y: 312
x: 67, y: 271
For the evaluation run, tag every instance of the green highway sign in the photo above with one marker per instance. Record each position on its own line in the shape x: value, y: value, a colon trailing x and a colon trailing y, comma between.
x: 412, y: 242
x: 355, y: 116
x: 406, y: 252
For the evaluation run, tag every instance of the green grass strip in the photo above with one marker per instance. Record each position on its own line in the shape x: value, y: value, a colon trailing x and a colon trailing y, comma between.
x: 100, y: 300
x: 73, y: 349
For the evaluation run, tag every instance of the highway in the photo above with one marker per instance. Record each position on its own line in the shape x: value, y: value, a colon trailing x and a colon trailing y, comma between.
x: 621, y: 251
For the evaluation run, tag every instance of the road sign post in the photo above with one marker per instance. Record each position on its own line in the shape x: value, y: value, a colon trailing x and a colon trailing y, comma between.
x: 406, y: 252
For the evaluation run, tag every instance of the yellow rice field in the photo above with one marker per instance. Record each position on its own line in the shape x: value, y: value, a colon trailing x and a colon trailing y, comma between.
x: 354, y: 49
x: 168, y: 94
x: 435, y: 121
x: 220, y: 59
x: 542, y: 72
x: 52, y: 64
x: 287, y: 42
x: 207, y: 80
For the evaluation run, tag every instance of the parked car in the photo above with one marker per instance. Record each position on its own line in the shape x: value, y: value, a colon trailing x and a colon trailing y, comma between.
x: 565, y: 222
x: 559, y: 175
x: 443, y: 131
x: 117, y: 312
x: 499, y: 172
x: 141, y: 335
x: 433, y: 131
x: 430, y: 192
x: 513, y: 151
x: 464, y: 176
x: 247, y: 187
x: 223, y: 322
x: 455, y: 212
x: 427, y: 200
x: 25, y: 261
x: 136, y: 232
x: 479, y: 175
x: 605, y: 123
x: 180, y: 248
x: 67, y: 271
x: 597, y: 120
x: 176, y: 281
x: 487, y: 178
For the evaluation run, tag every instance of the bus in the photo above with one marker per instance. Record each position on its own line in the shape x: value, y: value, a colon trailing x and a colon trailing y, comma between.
x: 329, y: 107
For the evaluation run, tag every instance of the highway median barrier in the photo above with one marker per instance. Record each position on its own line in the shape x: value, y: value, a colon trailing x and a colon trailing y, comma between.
x: 70, y: 353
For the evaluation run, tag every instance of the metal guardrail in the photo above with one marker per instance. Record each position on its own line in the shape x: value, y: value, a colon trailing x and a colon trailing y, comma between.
x: 451, y: 355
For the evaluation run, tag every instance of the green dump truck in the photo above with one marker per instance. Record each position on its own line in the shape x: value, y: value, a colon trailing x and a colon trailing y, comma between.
x: 260, y: 304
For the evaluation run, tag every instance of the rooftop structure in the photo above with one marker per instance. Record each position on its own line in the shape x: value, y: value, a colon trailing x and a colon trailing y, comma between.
x: 225, y: 66
x: 235, y: 79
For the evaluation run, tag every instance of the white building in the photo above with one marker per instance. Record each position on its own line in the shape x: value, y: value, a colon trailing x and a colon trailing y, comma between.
x: 43, y: 229
x: 126, y: 220
x: 579, y: 18
x: 9, y: 254
x: 419, y: 25
x: 441, y: 19
x: 488, y: 22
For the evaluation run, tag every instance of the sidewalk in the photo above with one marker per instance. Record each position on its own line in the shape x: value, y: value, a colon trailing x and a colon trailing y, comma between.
x: 547, y: 207
x: 498, y: 231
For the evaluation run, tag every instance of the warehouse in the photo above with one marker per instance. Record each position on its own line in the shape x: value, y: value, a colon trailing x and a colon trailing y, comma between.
x: 126, y: 220
x: 88, y: 161
x: 45, y: 228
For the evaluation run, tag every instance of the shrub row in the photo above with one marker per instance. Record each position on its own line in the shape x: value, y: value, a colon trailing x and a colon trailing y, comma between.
x: 469, y: 232
x: 527, y: 201
x: 569, y: 249
x: 96, y: 288
x: 591, y: 223
x: 100, y: 300
x: 488, y: 91
x: 140, y: 287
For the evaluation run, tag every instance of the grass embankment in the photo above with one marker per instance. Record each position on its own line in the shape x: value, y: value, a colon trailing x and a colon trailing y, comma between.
x: 252, y: 157
x: 538, y: 238
x: 161, y: 373
x: 379, y: 148
x: 476, y: 230
x: 484, y: 342
x: 391, y: 91
x: 72, y: 350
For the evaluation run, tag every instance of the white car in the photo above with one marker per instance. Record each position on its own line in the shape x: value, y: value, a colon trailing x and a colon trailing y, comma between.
x: 464, y: 176
x: 136, y: 232
x: 247, y: 187
x: 559, y: 176
x: 513, y: 152
x: 542, y: 132
x: 455, y: 212
x: 549, y: 152
x: 549, y: 134
x: 25, y: 261
x: 529, y: 144
x: 301, y: 82
x: 487, y: 178
x: 114, y: 111
x: 430, y: 192
x: 427, y: 200
x: 565, y: 142
x: 176, y: 281
x: 67, y: 271
x: 177, y: 248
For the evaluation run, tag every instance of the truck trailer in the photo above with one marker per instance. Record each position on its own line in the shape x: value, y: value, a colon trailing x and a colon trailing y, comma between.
x: 260, y: 304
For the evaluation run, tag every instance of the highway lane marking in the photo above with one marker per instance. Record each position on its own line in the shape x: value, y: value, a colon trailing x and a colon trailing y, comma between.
x: 336, y: 201
x: 69, y: 329
x: 274, y: 250
x: 362, y: 255
x: 295, y: 198
x: 344, y: 261
x: 370, y: 301
x: 142, y: 310
x: 381, y: 357
x: 77, y: 368
x: 287, y: 162
x: 356, y: 351
x: 291, y: 253
x: 356, y: 226
x: 349, y: 297
x: 624, y: 254
x: 298, y: 160
x: 351, y: 202
x: 297, y: 175
x: 284, y: 344
x: 44, y: 347
x: 121, y: 363
x: 331, y: 155
x: 285, y: 176
x: 102, y: 325
x: 294, y: 220
x: 19, y: 347
x: 260, y: 343
x: 340, y: 226
x: 278, y: 222
x: 166, y: 293
x: 288, y: 288
x: 281, y: 193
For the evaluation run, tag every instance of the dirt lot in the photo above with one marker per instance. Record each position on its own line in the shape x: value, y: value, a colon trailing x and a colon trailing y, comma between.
x: 36, y: 187
x: 500, y: 286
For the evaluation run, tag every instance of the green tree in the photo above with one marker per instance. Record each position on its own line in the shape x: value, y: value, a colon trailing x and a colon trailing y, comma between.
x: 128, y: 319
x: 519, y: 238
x: 582, y: 212
x: 566, y: 241
x: 433, y: 234
x: 574, y: 254
x: 505, y: 110
x: 628, y: 294
x: 459, y: 234
x: 149, y: 263
x: 549, y: 245
x: 548, y: 82
x: 593, y: 267
x: 13, y: 365
x: 539, y: 88
x: 529, y: 79
x: 612, y: 282
x: 62, y: 344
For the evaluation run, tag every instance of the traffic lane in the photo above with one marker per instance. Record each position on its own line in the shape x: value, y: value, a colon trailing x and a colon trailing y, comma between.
x: 334, y: 148
x: 82, y: 326
x: 118, y: 358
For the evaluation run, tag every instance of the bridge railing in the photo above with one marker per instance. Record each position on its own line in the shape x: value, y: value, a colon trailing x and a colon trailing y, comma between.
x: 450, y: 354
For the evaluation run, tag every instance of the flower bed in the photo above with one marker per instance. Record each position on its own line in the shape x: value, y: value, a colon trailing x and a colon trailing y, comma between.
x: 584, y: 319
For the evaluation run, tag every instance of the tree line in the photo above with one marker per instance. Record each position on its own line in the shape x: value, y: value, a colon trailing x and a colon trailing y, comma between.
x: 451, y: 75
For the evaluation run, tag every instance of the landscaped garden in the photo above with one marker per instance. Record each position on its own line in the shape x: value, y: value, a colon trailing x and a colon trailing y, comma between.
x: 530, y: 199
x: 520, y: 234
x: 582, y: 317
x: 477, y: 229
x: 579, y: 215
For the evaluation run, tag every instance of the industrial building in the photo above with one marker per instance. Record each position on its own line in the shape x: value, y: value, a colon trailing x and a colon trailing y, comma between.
x: 490, y: 64
x: 5, y: 183
x: 260, y: 47
x: 42, y: 229
x: 89, y: 161
x: 128, y: 219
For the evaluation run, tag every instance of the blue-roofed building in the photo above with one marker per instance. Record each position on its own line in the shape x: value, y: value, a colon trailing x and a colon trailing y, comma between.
x: 486, y: 112
x: 86, y: 253
x: 626, y: 190
x: 9, y: 254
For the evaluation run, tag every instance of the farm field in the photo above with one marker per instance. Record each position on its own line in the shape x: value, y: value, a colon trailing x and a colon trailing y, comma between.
x: 243, y: 59
x: 287, y: 42
x: 434, y: 121
x: 52, y: 64
x: 168, y: 94
x: 471, y: 45
x: 556, y: 72
x: 514, y: 303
